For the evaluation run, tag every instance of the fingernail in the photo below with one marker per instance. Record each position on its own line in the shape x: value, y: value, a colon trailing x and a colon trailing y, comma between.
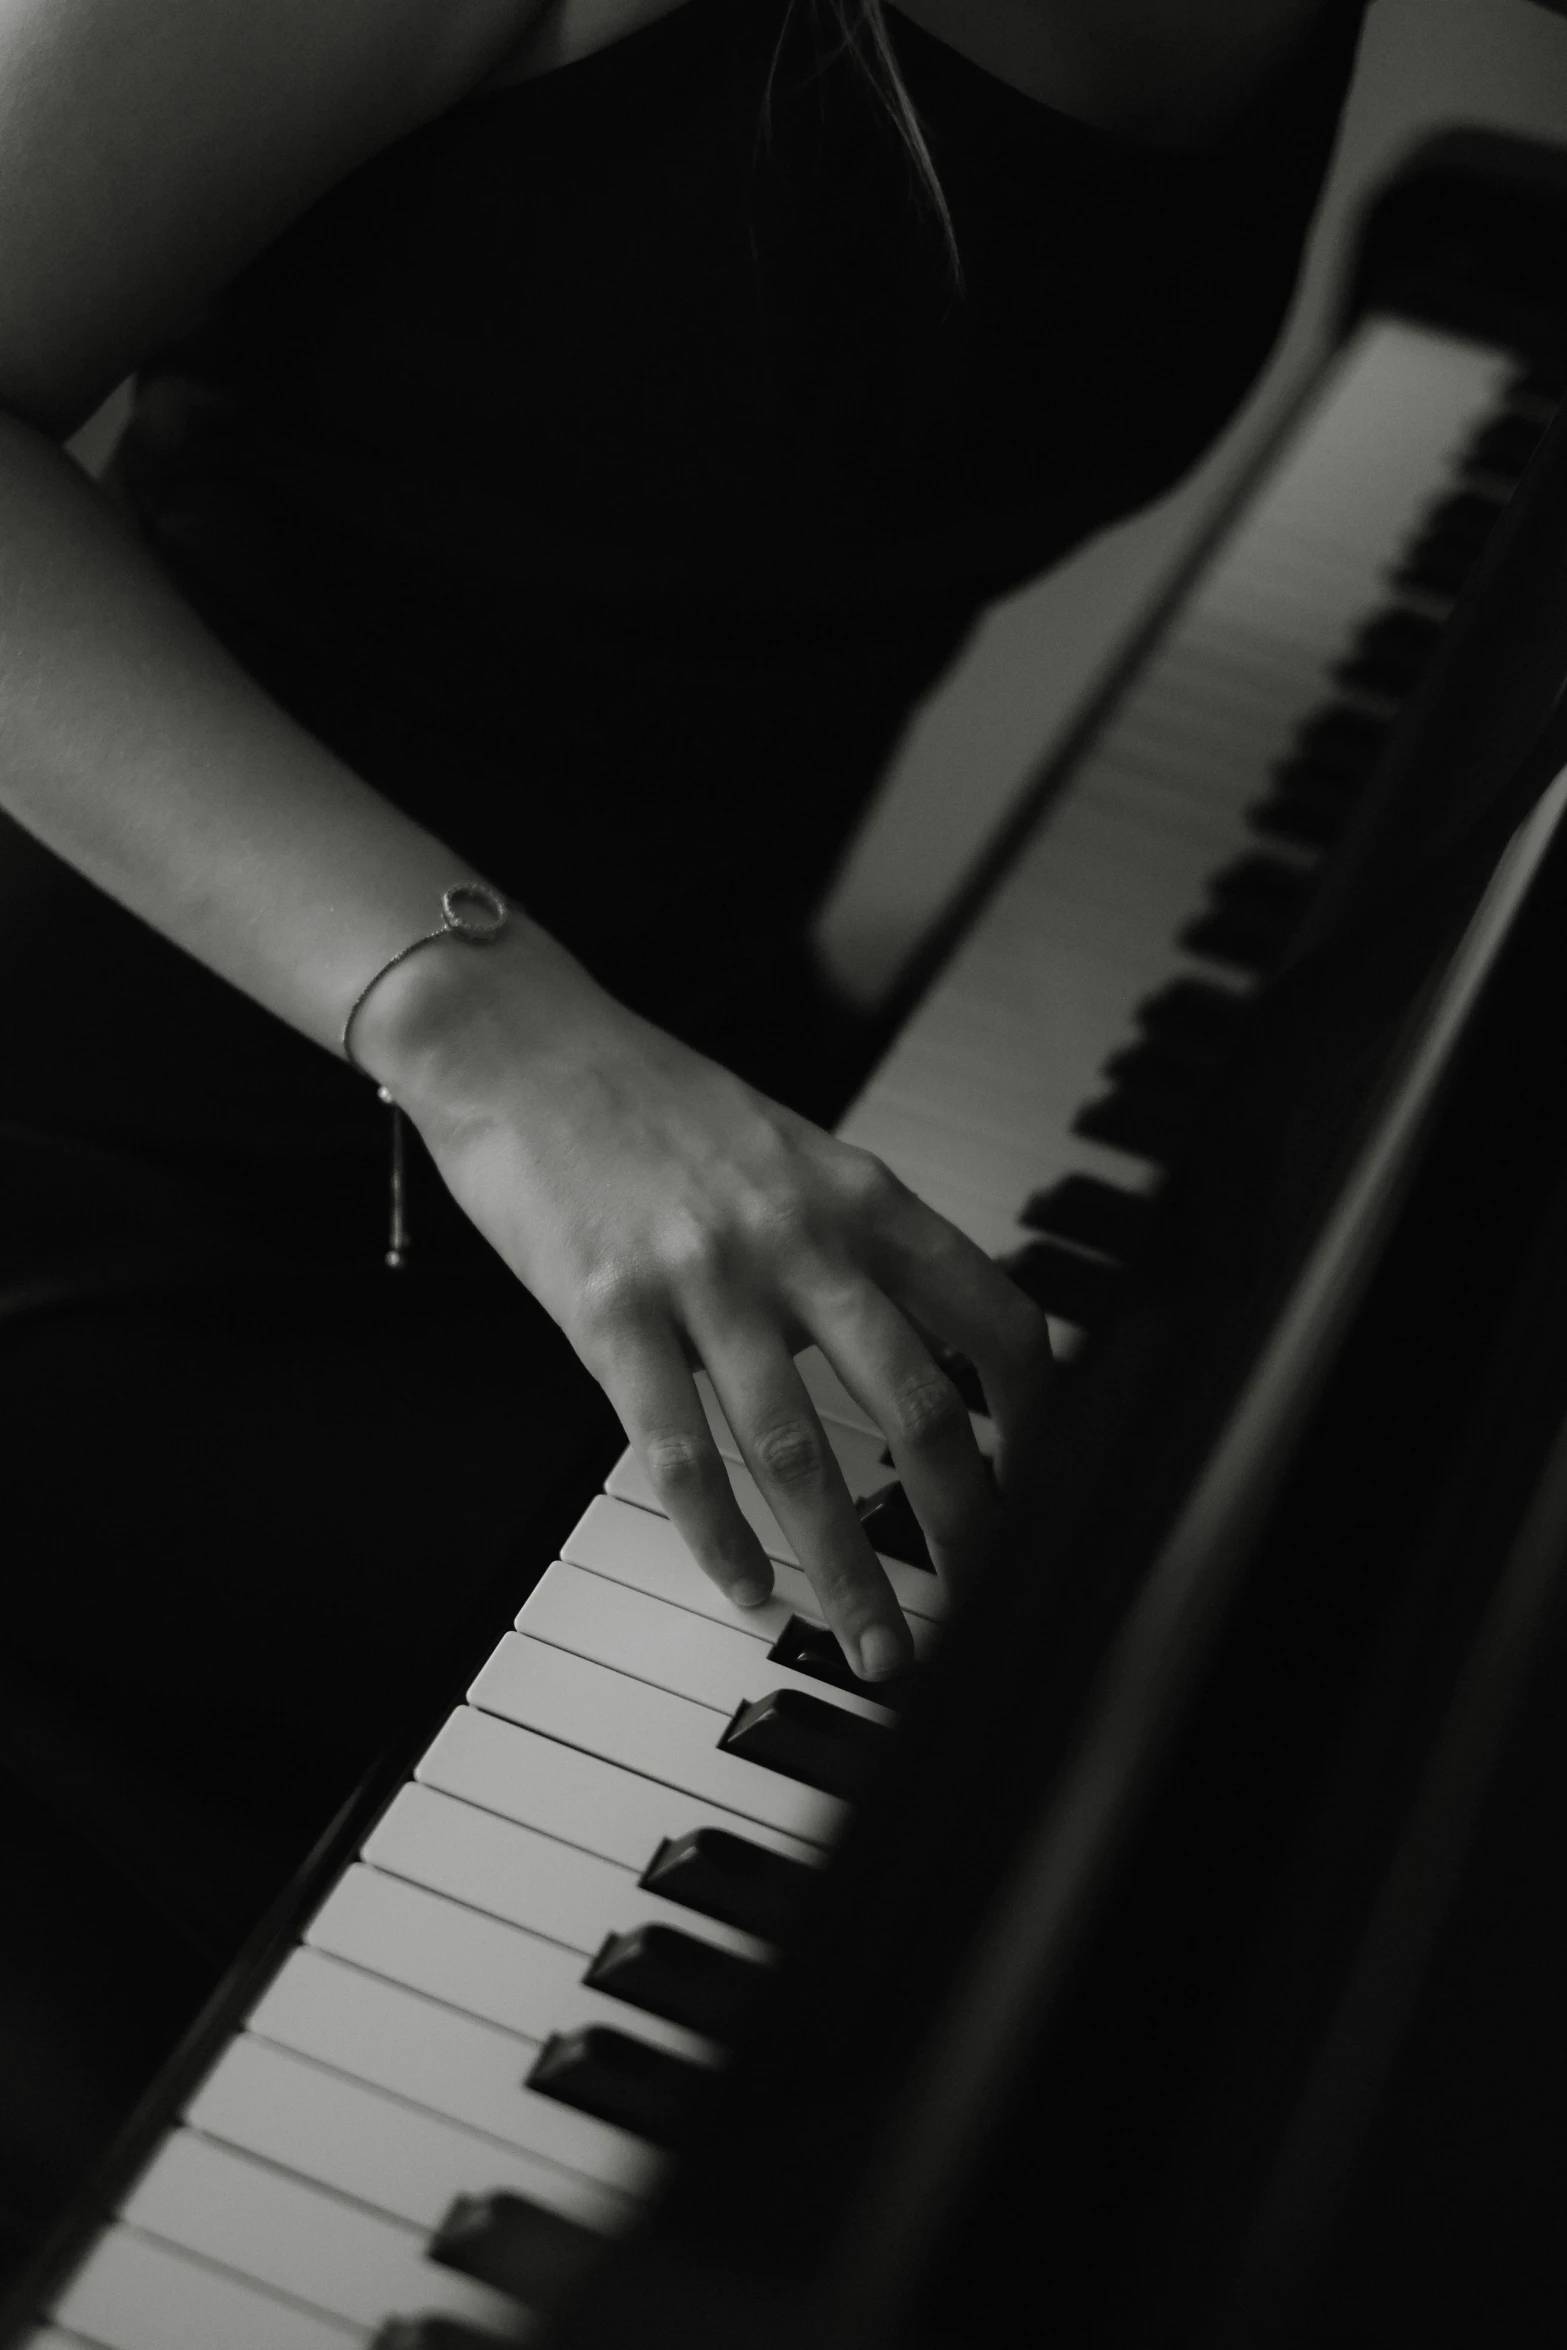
x: 882, y: 1653
x: 749, y: 1594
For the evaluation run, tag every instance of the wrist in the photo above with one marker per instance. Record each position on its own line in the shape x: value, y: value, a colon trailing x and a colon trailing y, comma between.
x: 440, y: 1030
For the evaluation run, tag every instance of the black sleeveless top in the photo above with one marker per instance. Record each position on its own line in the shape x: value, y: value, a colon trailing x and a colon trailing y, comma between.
x: 604, y: 473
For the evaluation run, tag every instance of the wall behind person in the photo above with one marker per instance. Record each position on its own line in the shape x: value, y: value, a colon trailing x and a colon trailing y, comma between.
x: 1036, y: 659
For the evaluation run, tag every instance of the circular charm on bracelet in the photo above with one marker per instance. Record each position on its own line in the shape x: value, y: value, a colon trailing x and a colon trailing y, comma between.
x: 490, y: 904
x: 470, y: 911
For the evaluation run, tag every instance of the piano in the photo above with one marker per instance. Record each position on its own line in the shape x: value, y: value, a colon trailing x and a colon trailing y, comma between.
x: 683, y: 1989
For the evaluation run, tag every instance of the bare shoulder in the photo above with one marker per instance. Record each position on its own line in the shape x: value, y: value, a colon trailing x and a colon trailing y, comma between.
x: 149, y: 147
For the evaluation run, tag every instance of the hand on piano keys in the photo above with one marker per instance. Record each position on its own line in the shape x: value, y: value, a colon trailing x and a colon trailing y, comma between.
x: 504, y: 2017
x: 666, y: 1214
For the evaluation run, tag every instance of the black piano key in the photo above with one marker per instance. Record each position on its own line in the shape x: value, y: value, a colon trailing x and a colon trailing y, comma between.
x: 1341, y: 769
x: 520, y: 2247
x: 1165, y: 1064
x: 1255, y: 907
x: 1176, y: 1062
x: 1306, y: 807
x: 1333, y: 789
x: 432, y: 2333
x: 1391, y: 654
x: 811, y: 1648
x: 1341, y: 740
x: 648, y: 2091
x: 1153, y: 1126
x: 1504, y: 447
x: 1468, y: 514
x: 1099, y: 1215
x: 1438, y: 562
x: 1299, y: 817
x: 1543, y: 382
x: 1450, y: 541
x: 725, y: 1876
x: 1455, y: 531
x: 680, y: 1978
x: 1380, y: 673
x: 1196, y: 1010
x: 804, y: 1738
x: 1336, y: 783
x: 888, y: 1518
x: 1263, y: 883
x: 1079, y: 1289
x: 964, y: 1378
x: 1244, y: 941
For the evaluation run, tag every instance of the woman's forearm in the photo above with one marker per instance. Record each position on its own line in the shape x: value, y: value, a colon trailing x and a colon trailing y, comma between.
x: 661, y: 1211
x: 134, y: 746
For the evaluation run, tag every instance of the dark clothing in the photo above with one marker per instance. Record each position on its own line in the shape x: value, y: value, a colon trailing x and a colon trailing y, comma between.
x: 606, y: 479
x: 605, y: 482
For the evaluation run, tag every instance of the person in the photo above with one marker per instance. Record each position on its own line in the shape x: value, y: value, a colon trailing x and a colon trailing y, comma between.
x: 568, y: 437
x: 567, y: 440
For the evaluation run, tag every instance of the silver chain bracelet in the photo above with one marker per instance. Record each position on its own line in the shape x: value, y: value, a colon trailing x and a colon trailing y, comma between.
x: 477, y: 915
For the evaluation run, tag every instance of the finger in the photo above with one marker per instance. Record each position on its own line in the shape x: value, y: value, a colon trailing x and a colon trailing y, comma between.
x: 889, y: 1370
x: 764, y: 1400
x: 948, y: 1285
x: 650, y: 1385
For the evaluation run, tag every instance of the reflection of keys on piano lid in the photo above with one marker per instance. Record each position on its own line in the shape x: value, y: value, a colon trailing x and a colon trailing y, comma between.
x: 504, y: 2015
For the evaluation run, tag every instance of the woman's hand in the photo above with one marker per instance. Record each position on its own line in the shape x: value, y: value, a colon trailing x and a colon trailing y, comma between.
x: 668, y: 1216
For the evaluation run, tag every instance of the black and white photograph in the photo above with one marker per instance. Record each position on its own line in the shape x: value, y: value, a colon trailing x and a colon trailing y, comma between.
x: 783, y: 1174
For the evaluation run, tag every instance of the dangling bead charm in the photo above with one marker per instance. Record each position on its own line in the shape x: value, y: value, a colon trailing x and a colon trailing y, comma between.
x: 477, y: 916
x: 397, y: 1229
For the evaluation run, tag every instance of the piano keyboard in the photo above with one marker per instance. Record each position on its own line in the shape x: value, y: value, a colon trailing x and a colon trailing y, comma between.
x: 503, y: 2018
x: 976, y: 1103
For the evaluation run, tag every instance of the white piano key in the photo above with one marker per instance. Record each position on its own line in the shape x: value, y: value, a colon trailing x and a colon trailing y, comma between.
x: 720, y: 1665
x: 921, y: 1154
x: 1080, y: 1025
x: 450, y: 2063
x: 340, y: 2133
x: 960, y: 1137
x: 1098, y: 933
x: 1198, y: 692
x: 292, y: 2237
x: 1396, y: 402
x: 529, y: 1880
x: 918, y: 1143
x: 136, y: 2293
x: 994, y: 1001
x: 857, y: 1452
x: 948, y: 1087
x: 1084, y: 923
x: 634, y: 1544
x: 1236, y: 661
x: 931, y: 1130
x: 499, y: 1973
x: 627, y: 1481
x: 667, y: 1737
x: 579, y: 1797
x: 952, y: 1109
x: 987, y: 1436
x: 1098, y: 870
